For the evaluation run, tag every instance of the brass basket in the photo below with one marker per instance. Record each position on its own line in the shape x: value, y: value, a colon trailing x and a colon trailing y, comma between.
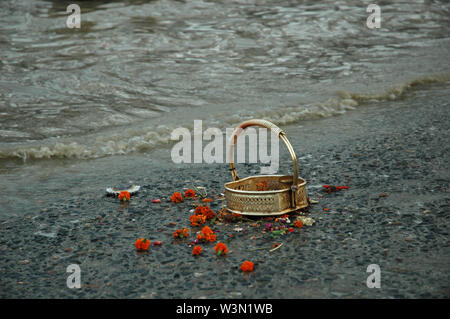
x: 282, y: 194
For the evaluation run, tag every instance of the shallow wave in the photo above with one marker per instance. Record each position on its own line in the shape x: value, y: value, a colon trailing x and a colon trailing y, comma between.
x: 141, y: 139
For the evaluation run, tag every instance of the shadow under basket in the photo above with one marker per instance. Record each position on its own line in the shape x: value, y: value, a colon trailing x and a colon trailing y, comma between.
x: 264, y: 195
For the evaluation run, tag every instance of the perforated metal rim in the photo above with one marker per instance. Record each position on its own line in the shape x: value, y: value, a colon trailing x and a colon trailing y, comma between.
x: 261, y: 192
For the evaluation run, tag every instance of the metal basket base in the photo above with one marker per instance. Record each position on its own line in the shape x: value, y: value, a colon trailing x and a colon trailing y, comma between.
x: 286, y: 211
x: 242, y: 196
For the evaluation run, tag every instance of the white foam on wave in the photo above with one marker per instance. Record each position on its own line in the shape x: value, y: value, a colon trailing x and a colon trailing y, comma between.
x: 141, y: 139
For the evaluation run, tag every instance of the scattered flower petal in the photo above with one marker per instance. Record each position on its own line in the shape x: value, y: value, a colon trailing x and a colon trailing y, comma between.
x: 197, y: 220
x: 206, y: 235
x: 262, y: 186
x: 196, y: 250
x: 189, y: 193
x: 298, y: 224
x: 205, y: 211
x: 221, y: 249
x: 247, y: 266
x: 181, y: 233
x: 124, y: 196
x: 176, y: 198
x: 142, y: 244
x: 331, y: 188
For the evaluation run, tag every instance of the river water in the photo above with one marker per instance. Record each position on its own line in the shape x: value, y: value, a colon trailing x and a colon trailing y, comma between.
x: 136, y: 70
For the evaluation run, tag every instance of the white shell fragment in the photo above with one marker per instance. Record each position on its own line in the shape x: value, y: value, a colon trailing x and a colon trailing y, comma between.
x: 308, y: 221
x: 116, y: 190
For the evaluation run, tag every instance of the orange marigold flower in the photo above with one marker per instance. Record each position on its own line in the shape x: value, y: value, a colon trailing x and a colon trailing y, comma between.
x: 210, y: 238
x: 197, y: 220
x: 247, y: 266
x: 205, y: 211
x: 176, y: 198
x: 124, y: 195
x: 207, y: 235
x: 298, y: 224
x: 197, y: 250
x: 181, y: 233
x: 207, y: 200
x: 142, y: 244
x: 261, y: 186
x: 206, y: 230
x: 189, y: 193
x: 221, y: 249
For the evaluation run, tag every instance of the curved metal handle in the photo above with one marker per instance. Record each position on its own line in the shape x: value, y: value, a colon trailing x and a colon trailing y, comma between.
x: 280, y: 133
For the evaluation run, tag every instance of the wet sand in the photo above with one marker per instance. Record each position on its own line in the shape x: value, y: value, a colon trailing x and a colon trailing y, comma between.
x: 394, y: 157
